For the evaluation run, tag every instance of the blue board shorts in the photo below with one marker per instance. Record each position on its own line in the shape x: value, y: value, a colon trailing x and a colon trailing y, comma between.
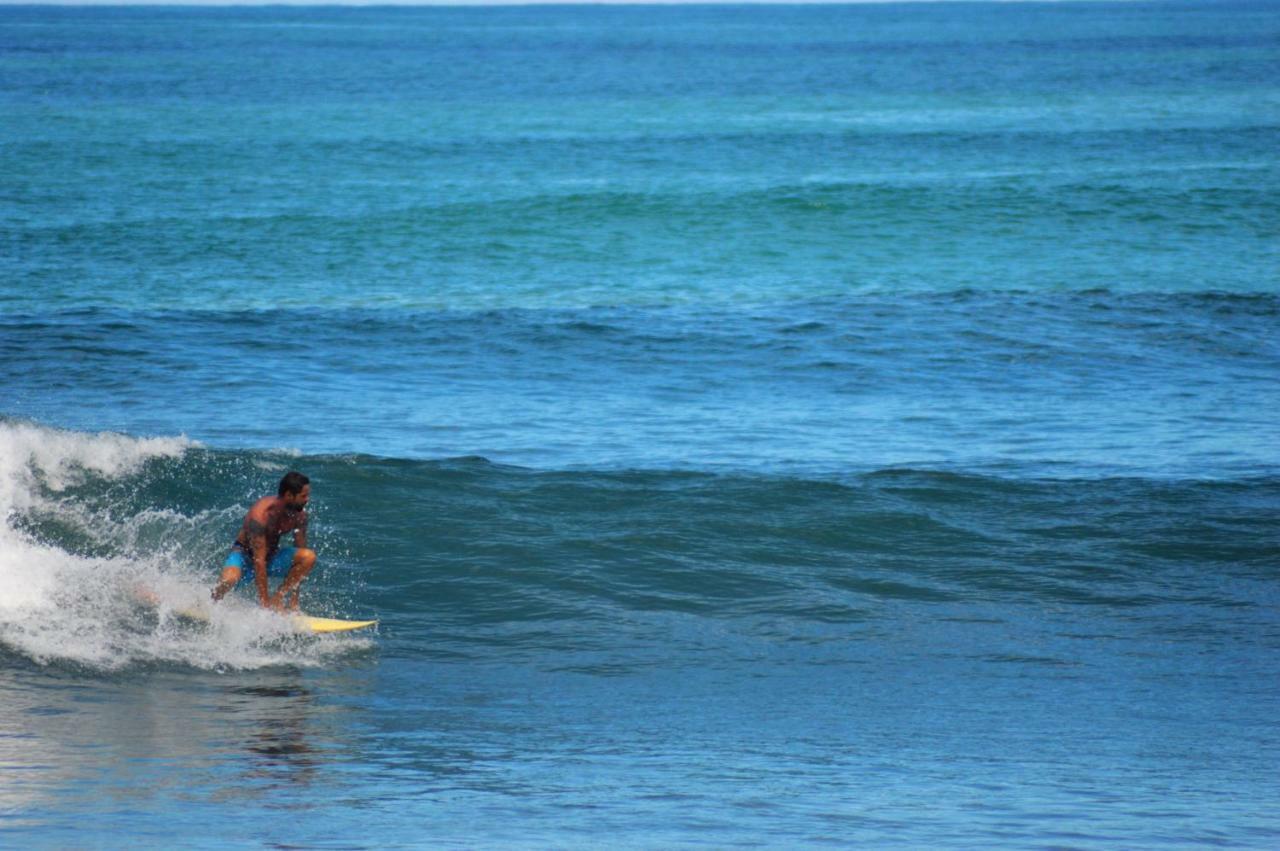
x: 278, y: 565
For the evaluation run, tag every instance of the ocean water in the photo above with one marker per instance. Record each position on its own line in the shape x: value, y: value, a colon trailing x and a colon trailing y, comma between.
x: 752, y: 426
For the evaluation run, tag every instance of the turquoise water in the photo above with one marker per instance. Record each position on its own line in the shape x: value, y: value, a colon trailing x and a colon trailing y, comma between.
x: 780, y: 426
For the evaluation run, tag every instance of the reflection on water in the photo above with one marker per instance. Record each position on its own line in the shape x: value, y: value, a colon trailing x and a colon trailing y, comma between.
x: 275, y: 721
x: 127, y: 753
x: 95, y: 744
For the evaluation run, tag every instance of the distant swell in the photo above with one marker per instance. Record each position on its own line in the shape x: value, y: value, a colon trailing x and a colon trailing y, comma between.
x: 1091, y: 383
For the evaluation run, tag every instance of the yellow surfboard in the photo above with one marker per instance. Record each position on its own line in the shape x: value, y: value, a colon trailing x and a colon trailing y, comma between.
x: 314, y: 624
x: 301, y: 622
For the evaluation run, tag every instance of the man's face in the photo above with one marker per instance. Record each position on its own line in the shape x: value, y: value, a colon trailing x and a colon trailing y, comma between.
x: 295, y: 502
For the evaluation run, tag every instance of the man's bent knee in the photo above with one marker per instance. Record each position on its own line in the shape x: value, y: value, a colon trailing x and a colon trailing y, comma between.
x: 305, y: 558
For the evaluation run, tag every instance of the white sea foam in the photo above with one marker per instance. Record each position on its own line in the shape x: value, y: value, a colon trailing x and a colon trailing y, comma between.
x: 86, y: 605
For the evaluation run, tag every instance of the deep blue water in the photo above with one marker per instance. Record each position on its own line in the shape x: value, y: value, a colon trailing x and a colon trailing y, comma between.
x: 780, y: 426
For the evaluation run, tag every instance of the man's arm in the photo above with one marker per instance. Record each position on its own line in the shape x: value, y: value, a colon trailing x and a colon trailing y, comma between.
x: 300, y: 534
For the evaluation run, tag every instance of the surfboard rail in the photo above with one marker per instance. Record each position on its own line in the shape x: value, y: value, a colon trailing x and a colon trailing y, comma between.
x: 300, y: 621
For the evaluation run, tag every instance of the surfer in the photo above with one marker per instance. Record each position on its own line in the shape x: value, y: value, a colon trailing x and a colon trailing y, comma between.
x: 257, y: 551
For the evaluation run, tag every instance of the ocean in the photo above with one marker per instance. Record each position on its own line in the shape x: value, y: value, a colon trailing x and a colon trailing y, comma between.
x: 752, y: 426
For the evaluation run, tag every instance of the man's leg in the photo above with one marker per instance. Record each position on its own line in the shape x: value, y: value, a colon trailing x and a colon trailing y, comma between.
x: 303, y: 561
x: 230, y: 576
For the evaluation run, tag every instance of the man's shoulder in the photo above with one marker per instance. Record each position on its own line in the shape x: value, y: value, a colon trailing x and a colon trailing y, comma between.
x: 262, y: 506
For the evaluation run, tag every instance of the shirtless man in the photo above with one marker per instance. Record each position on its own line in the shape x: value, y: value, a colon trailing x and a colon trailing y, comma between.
x: 257, y: 551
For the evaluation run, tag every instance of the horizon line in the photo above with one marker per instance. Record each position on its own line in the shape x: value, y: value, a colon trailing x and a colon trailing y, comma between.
x: 370, y: 4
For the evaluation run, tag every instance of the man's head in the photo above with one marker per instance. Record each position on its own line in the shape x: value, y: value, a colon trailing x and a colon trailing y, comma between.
x: 295, y: 490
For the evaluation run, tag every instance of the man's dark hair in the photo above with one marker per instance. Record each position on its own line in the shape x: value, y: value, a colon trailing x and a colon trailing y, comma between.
x: 293, y: 482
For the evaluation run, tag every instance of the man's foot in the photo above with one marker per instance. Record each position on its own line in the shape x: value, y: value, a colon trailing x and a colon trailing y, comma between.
x: 278, y: 603
x: 146, y: 596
